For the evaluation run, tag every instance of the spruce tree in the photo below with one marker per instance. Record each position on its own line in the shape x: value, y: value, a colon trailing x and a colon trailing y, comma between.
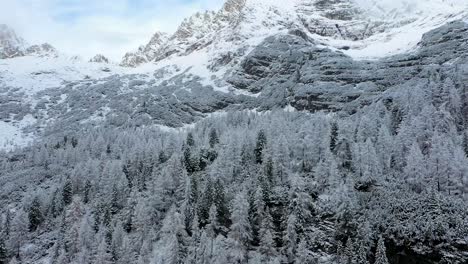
x: 381, y: 253
x: 260, y: 146
x: 35, y: 214
x: 219, y: 198
x: 3, y: 250
x: 67, y: 192
x: 213, y: 139
x: 333, y: 136
x: 240, y: 233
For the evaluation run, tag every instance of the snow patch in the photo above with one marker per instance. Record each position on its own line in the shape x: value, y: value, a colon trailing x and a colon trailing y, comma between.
x: 12, y: 135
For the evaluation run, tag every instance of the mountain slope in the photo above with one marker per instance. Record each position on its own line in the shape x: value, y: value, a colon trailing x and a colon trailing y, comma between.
x: 266, y: 132
x: 235, y: 57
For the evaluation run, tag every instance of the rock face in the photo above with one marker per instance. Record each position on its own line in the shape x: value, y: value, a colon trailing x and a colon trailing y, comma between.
x: 43, y: 50
x: 99, y: 58
x: 145, y: 53
x: 287, y: 70
x: 294, y: 71
x: 10, y: 44
x: 134, y: 59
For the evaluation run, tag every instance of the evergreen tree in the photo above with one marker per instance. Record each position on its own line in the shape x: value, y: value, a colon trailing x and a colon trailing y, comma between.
x: 266, y: 234
x: 205, y: 202
x: 102, y: 254
x: 35, y: 214
x: 381, y: 253
x: 260, y: 146
x: 213, y: 227
x: 3, y: 250
x: 304, y: 255
x: 240, y: 233
x: 56, y: 204
x: 219, y: 198
x: 18, y: 232
x: 190, y: 140
x: 213, y: 139
x: 173, y: 239
x: 87, y: 191
x: 333, y: 136
x: 67, y: 192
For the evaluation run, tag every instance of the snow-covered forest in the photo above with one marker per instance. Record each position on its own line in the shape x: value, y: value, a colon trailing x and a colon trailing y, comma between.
x: 247, y: 187
x: 265, y: 131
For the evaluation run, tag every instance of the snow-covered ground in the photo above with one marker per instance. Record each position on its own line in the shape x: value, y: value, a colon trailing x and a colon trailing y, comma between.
x: 11, y: 134
x: 34, y: 74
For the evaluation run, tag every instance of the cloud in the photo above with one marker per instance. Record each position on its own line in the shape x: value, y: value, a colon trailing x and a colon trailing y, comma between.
x: 88, y: 27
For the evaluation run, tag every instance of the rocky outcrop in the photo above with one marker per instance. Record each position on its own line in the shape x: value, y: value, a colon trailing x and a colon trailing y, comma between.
x: 10, y: 44
x: 99, y: 58
x: 133, y: 59
x: 288, y: 69
x: 43, y: 50
x: 145, y: 53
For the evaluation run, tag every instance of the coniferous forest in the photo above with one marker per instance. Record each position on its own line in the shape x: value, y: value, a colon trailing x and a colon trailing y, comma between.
x: 387, y: 183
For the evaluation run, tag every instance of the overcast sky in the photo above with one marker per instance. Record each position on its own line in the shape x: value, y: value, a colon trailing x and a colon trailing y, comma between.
x: 88, y: 27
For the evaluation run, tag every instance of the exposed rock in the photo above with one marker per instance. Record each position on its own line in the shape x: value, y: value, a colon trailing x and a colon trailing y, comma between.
x: 43, y: 50
x: 10, y: 44
x: 99, y: 58
x: 145, y: 53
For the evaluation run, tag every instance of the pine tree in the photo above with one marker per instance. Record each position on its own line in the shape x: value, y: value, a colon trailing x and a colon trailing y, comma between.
x: 173, y: 239
x: 87, y: 191
x: 56, y: 204
x: 35, y: 214
x: 260, y: 146
x: 304, y: 255
x: 213, y: 227
x: 3, y: 250
x: 465, y: 141
x: 205, y: 203
x: 190, y: 140
x: 219, y: 199
x: 18, y: 233
x: 291, y: 237
x: 214, y: 139
x: 361, y: 254
x: 240, y: 233
x: 333, y: 136
x: 266, y: 234
x: 414, y: 171
x: 381, y: 253
x: 102, y: 254
x: 67, y: 192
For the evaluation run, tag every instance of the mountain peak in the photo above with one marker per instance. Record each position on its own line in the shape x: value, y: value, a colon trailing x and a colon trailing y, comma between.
x: 10, y: 44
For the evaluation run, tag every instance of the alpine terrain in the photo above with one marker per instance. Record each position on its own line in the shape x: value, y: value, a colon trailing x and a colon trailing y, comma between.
x: 298, y: 131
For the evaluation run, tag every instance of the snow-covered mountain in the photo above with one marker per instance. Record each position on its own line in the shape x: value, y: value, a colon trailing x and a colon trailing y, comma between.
x: 12, y: 46
x: 214, y: 48
x: 361, y: 28
x: 318, y: 131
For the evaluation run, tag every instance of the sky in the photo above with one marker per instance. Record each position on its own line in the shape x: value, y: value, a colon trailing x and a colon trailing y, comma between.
x: 89, y: 27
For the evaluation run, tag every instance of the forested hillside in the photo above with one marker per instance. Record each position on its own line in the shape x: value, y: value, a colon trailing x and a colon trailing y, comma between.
x: 267, y: 131
x: 387, y: 184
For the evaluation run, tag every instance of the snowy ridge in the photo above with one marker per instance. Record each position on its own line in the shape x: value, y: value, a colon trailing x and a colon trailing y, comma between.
x: 210, y: 43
